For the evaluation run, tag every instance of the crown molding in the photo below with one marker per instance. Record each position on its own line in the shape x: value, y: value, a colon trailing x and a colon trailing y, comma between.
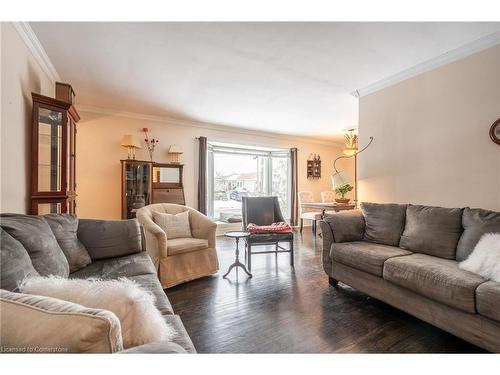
x: 37, y: 51
x: 478, y: 45
x: 203, y: 125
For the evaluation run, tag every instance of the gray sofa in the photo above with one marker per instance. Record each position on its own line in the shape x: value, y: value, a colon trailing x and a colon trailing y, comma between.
x: 113, y: 249
x: 408, y: 256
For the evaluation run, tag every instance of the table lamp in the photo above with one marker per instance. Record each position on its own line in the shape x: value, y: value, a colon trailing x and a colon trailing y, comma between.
x: 176, y: 153
x: 131, y: 143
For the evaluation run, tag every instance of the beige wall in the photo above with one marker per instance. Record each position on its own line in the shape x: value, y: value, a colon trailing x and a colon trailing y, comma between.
x: 20, y: 75
x: 99, y: 153
x: 431, y: 137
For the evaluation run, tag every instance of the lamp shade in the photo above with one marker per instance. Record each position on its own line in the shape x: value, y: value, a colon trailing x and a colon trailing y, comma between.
x: 174, y: 149
x: 340, y: 178
x: 129, y: 140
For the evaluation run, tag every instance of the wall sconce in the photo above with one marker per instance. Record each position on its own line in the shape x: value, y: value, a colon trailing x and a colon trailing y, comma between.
x: 131, y: 143
x: 176, y: 153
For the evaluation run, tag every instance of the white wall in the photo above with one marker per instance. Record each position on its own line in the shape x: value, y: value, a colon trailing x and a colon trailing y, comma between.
x: 20, y: 75
x: 431, y: 137
x: 99, y: 153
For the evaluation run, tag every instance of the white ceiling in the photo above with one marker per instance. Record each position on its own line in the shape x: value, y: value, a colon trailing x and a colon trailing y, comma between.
x: 292, y: 78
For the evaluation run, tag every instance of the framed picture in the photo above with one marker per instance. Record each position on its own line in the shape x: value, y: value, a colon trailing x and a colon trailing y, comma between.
x: 495, y: 132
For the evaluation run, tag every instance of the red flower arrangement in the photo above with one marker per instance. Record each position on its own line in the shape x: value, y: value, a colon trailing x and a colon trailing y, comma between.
x: 151, y: 143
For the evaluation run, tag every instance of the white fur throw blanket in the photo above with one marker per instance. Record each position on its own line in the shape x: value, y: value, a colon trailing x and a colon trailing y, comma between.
x: 485, y: 258
x: 141, y: 322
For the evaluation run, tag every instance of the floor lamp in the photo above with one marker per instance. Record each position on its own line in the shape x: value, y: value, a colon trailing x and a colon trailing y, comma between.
x: 340, y: 178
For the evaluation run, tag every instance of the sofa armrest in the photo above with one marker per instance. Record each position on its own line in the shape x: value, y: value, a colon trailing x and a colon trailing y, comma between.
x: 202, y: 227
x: 159, y: 347
x: 110, y: 238
x: 345, y: 226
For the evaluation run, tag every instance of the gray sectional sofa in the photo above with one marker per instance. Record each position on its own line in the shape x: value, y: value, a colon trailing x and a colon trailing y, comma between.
x: 112, y: 249
x: 408, y: 256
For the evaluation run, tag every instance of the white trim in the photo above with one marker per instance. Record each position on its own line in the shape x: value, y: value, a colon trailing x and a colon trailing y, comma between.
x: 37, y: 51
x: 203, y: 125
x: 481, y: 44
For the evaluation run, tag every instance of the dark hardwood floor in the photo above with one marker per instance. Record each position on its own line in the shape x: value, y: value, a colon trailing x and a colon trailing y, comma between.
x: 285, y: 310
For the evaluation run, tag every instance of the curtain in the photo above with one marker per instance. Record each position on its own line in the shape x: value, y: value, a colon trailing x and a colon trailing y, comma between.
x: 202, y: 176
x: 294, y: 183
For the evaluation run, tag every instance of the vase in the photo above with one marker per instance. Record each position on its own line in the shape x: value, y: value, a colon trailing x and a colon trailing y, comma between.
x: 342, y: 200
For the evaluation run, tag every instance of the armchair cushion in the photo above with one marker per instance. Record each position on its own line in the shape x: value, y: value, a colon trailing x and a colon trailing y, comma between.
x: 185, y: 245
x: 175, y: 226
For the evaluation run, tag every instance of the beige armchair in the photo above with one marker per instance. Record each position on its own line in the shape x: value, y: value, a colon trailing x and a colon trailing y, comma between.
x: 181, y: 259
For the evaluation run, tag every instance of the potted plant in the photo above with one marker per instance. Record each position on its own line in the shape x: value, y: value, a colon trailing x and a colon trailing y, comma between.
x: 342, y: 190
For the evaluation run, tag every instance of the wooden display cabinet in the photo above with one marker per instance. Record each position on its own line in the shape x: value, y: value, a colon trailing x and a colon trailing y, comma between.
x: 53, y: 155
x: 136, y: 186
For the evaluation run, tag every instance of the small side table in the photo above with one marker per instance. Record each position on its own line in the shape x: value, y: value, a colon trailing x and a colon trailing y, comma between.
x: 237, y: 235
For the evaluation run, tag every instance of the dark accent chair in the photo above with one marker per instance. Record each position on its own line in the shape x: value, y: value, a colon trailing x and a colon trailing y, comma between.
x: 264, y: 211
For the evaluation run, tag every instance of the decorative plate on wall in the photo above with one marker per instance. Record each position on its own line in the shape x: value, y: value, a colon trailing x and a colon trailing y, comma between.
x: 495, y: 132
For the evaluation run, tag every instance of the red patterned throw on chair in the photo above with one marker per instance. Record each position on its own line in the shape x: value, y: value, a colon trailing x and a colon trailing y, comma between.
x: 280, y: 227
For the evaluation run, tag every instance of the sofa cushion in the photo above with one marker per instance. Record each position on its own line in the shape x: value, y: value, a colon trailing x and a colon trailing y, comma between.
x: 152, y: 284
x: 65, y: 228
x: 432, y: 230
x: 384, y: 222
x: 365, y: 256
x: 185, y: 245
x: 436, y: 278
x: 476, y: 222
x: 182, y: 337
x: 488, y: 300
x: 110, y: 238
x: 346, y: 226
x: 37, y: 238
x: 136, y: 267
x: 15, y: 263
x: 50, y: 325
x: 114, y: 268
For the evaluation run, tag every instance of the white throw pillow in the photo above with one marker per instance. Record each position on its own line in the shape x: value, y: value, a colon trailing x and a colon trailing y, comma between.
x: 485, y: 258
x: 141, y: 322
x: 175, y: 226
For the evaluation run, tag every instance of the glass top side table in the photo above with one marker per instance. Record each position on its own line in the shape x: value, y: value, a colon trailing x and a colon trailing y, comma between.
x: 237, y: 235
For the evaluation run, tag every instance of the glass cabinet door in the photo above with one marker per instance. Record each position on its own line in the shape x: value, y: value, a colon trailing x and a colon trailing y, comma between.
x: 50, y: 150
x: 137, y: 185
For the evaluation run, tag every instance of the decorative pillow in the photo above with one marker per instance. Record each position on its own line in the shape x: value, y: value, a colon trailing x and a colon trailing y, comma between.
x: 110, y: 238
x: 432, y: 230
x: 485, y: 258
x: 384, y: 222
x: 15, y: 263
x: 65, y: 227
x: 37, y: 324
x: 141, y: 322
x: 476, y: 222
x: 37, y: 238
x: 175, y: 226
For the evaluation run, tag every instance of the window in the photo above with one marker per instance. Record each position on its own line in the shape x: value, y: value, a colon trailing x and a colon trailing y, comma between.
x: 235, y: 171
